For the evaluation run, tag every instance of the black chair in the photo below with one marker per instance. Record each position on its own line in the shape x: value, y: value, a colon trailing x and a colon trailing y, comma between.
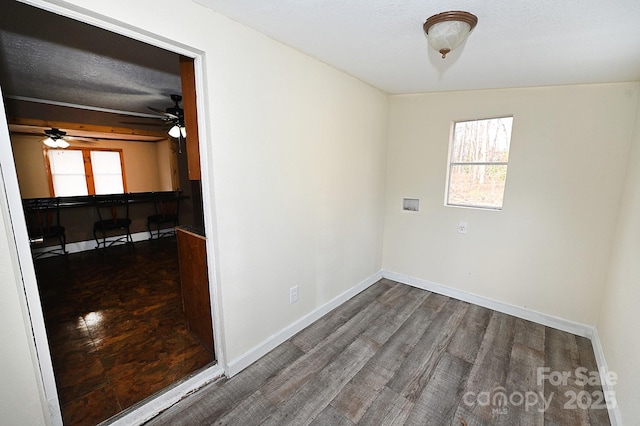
x: 113, y: 215
x: 167, y: 211
x: 43, y: 223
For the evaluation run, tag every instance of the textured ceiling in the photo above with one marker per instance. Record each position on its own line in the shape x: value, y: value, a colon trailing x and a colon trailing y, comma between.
x: 517, y: 43
x: 55, y: 60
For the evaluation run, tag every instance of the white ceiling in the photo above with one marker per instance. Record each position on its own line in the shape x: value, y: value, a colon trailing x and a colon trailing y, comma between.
x: 517, y: 43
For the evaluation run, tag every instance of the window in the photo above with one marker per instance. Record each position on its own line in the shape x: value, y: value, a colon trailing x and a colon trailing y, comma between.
x: 107, y: 172
x: 478, y: 163
x: 84, y: 171
x: 67, y: 172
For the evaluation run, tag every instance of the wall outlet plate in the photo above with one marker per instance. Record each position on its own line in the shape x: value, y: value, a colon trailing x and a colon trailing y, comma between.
x: 462, y: 227
x: 293, y: 294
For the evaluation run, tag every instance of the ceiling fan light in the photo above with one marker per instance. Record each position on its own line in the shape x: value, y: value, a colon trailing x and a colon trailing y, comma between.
x: 62, y: 143
x: 183, y: 131
x: 174, y: 132
x: 448, y: 30
x: 50, y: 143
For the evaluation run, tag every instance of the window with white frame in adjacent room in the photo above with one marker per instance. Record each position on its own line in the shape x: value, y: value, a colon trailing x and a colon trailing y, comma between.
x: 478, y: 162
x: 85, y: 172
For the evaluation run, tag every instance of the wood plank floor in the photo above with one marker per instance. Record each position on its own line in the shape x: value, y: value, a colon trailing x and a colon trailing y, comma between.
x: 116, y: 329
x: 399, y: 355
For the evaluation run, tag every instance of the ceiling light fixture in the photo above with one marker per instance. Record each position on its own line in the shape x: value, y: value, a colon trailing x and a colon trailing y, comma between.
x: 55, y: 139
x: 448, y: 30
x: 175, y: 116
x: 177, y: 130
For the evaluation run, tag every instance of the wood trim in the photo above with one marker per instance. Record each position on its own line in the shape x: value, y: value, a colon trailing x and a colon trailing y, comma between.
x: 106, y: 131
x: 47, y: 163
x: 88, y: 171
x: 124, y: 176
x: 188, y: 77
x: 88, y: 168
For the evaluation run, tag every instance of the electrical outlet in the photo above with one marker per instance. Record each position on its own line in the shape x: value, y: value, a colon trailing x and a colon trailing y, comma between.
x: 462, y: 227
x: 293, y: 294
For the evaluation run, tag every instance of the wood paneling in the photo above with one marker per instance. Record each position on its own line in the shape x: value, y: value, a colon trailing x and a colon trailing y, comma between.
x: 192, y: 255
x: 37, y: 127
x: 187, y: 73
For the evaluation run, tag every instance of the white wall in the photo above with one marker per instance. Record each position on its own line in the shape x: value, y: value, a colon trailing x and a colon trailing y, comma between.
x: 21, y: 401
x: 296, y: 156
x: 548, y: 249
x: 299, y: 180
x: 297, y: 164
x: 620, y: 316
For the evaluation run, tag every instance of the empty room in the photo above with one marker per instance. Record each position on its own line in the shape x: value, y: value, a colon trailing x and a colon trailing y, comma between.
x: 415, y: 213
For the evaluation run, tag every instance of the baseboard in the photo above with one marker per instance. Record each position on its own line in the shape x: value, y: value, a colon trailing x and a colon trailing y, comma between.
x: 614, y: 412
x: 517, y: 311
x: 79, y: 246
x: 562, y: 324
x: 257, y: 352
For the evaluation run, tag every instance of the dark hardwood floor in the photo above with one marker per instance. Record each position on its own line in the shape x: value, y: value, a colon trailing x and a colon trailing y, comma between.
x: 399, y: 355
x: 116, y: 329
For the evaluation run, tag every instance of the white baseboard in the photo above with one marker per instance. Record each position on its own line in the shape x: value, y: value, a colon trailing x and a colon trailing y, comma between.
x: 614, y: 412
x: 257, y: 352
x: 79, y: 246
x: 562, y: 324
x: 517, y: 311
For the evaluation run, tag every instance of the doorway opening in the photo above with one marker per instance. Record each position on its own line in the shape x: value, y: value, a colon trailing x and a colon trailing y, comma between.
x: 72, y: 308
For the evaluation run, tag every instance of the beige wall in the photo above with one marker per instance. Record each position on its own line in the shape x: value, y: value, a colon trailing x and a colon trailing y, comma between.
x: 620, y: 315
x: 147, y: 164
x: 297, y: 158
x: 548, y: 249
x: 296, y: 154
x: 167, y: 164
x: 21, y: 401
x: 30, y: 166
x: 295, y: 151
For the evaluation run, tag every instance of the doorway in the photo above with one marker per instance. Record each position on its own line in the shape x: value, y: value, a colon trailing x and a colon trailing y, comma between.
x: 31, y: 287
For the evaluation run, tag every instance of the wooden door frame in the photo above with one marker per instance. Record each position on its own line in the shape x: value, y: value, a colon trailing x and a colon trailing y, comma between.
x: 11, y: 206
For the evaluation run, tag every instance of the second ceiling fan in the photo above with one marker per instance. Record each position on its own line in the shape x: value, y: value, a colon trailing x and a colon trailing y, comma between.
x: 175, y: 116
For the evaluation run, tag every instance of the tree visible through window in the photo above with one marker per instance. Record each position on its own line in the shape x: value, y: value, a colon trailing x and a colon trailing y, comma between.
x: 84, y: 171
x: 478, y: 163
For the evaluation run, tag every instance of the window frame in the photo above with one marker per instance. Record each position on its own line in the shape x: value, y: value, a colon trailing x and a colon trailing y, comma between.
x: 88, y: 170
x: 452, y: 164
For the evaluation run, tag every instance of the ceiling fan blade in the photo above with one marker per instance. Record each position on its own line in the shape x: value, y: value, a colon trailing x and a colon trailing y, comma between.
x: 139, y: 123
x: 81, y: 138
x: 166, y: 114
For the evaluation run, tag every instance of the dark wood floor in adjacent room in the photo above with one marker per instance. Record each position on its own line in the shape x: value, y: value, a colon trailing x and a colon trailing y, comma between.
x: 399, y: 355
x: 116, y: 329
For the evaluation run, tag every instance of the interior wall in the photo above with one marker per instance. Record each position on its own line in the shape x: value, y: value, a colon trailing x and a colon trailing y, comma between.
x: 617, y: 326
x: 30, y: 166
x: 296, y: 162
x: 548, y: 249
x: 167, y: 161
x: 146, y: 169
x: 21, y: 401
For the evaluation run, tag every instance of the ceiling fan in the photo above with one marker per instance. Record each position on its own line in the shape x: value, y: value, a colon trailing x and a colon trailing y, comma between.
x: 175, y: 117
x: 55, y: 138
